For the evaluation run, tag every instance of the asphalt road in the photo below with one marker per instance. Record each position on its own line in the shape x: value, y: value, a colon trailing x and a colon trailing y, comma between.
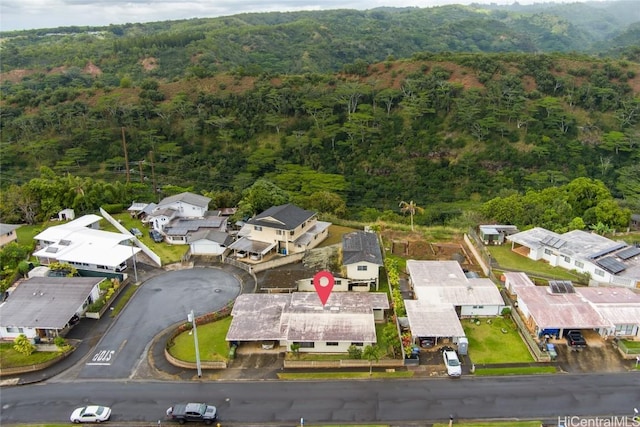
x: 160, y: 302
x: 390, y: 401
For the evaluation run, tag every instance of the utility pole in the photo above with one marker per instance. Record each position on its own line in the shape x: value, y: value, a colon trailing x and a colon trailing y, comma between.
x: 126, y: 155
x: 153, y: 175
x: 140, y: 167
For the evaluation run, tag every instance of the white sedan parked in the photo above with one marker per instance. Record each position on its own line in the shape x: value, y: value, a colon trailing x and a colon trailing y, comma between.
x: 91, y: 414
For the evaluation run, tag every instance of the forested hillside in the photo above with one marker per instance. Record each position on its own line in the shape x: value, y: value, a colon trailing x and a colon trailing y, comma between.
x: 335, y: 108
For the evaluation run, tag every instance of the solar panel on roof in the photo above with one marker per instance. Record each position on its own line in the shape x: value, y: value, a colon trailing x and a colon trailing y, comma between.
x: 65, y: 242
x: 561, y: 287
x: 611, y: 264
x: 607, y: 251
x: 554, y: 242
x: 51, y: 249
x: 628, y: 253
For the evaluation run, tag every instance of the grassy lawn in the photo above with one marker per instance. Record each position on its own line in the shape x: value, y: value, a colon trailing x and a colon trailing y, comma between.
x: 489, y: 344
x: 342, y: 375
x: 631, y: 344
x: 335, y: 235
x: 9, y: 358
x: 211, y: 342
x: 511, y: 260
x: 123, y: 299
x: 522, y: 370
x: 167, y: 253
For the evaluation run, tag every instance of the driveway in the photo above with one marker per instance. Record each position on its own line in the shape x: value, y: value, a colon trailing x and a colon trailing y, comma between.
x: 160, y: 302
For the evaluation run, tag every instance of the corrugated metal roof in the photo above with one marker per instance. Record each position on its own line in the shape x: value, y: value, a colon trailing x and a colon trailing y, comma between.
x: 433, y: 320
x: 566, y: 311
x: 300, y: 316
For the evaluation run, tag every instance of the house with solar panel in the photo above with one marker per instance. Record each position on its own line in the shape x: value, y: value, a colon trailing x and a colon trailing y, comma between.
x: 606, y: 261
x: 183, y: 205
x: 84, y: 246
x: 559, y: 307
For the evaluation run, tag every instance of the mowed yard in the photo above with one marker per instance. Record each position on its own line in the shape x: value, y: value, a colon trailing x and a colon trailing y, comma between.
x: 495, y: 340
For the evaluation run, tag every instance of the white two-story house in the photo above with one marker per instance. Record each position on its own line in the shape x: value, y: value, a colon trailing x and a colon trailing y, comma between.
x: 183, y: 205
x: 285, y: 229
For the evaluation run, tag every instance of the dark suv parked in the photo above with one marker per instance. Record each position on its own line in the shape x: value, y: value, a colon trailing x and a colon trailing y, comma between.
x: 156, y: 236
x: 575, y: 340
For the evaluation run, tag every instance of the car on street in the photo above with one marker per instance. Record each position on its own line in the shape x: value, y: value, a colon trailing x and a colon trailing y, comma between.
x: 90, y: 414
x: 452, y: 363
x: 156, y: 236
x: 195, y: 412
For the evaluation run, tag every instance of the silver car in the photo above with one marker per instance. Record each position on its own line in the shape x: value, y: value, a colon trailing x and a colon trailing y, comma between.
x: 452, y: 363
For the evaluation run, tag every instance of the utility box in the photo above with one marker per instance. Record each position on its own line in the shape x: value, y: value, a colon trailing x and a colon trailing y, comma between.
x: 463, y: 346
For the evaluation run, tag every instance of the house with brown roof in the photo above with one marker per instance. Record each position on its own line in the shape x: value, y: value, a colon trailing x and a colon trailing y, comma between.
x: 559, y: 307
x: 348, y: 318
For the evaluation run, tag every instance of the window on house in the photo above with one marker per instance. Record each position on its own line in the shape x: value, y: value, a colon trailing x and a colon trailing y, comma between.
x: 332, y: 344
x: 362, y: 268
x: 292, y: 232
x: 306, y: 344
x: 625, y: 329
x: 279, y: 232
x: 548, y: 252
x: 599, y: 272
x: 567, y: 259
x: 579, y: 264
x: 257, y: 228
x: 14, y: 330
x: 357, y: 344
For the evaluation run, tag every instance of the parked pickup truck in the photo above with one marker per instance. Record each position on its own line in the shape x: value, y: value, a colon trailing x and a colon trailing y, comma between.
x: 200, y: 412
x: 575, y: 340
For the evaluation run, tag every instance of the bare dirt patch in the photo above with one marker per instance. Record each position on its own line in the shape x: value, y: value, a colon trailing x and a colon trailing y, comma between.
x: 92, y: 69
x: 149, y: 64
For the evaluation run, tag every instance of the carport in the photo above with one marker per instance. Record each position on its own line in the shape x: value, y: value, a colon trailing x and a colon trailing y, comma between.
x: 252, y: 247
x: 435, y: 321
x: 545, y: 310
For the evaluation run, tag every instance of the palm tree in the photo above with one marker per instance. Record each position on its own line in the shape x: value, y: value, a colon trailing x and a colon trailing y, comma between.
x: 412, y: 208
x: 371, y: 352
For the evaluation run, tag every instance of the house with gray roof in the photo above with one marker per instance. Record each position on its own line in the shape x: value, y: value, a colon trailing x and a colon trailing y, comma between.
x: 209, y: 242
x: 44, y: 306
x: 362, y: 258
x: 606, y: 261
x: 183, y: 205
x: 179, y: 230
x: 285, y: 229
x: 300, y: 318
x: 8, y: 234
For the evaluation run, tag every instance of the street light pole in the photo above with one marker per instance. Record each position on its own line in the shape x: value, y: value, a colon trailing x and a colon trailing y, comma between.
x: 192, y: 319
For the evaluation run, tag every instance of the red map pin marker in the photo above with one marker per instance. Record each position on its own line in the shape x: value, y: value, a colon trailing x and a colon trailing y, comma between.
x: 323, y: 282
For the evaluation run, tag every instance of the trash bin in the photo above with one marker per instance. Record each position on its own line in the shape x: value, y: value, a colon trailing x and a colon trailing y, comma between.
x: 551, y: 349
